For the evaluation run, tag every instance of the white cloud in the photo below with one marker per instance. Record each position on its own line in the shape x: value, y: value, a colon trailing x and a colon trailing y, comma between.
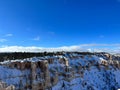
x: 3, y: 40
x: 36, y: 38
x: 92, y: 45
x: 82, y: 47
x: 35, y: 49
x: 8, y: 35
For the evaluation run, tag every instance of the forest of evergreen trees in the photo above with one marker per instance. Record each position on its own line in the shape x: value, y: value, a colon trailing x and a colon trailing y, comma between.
x: 23, y: 55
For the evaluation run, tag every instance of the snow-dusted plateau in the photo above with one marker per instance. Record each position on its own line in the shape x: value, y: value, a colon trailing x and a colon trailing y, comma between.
x: 62, y: 71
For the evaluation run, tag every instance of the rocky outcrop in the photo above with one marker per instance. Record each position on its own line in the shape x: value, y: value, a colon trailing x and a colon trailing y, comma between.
x: 3, y: 86
x: 40, y: 73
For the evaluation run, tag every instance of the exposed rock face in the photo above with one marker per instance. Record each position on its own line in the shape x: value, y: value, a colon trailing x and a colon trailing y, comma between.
x: 3, y: 86
x: 68, y: 71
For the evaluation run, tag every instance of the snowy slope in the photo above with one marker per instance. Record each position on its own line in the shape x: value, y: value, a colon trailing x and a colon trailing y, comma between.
x: 93, y: 80
x: 74, y: 72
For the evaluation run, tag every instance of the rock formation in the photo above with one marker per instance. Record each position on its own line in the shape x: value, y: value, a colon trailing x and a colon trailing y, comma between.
x: 40, y: 73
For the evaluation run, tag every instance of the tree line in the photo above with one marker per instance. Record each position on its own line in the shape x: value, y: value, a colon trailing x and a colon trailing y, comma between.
x: 23, y: 55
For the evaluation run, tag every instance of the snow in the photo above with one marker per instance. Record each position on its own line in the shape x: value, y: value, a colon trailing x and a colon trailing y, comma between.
x: 93, y: 79
x: 10, y: 76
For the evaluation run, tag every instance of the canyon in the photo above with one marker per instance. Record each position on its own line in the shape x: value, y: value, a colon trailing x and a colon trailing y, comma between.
x: 64, y: 71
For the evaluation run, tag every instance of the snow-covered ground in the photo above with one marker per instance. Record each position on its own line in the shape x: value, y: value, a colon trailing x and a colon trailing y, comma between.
x: 94, y: 77
x: 92, y: 80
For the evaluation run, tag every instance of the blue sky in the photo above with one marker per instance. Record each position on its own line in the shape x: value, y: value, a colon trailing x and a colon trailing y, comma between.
x: 56, y: 23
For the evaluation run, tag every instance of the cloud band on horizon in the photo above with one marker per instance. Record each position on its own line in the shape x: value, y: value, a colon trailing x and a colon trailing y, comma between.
x: 82, y: 47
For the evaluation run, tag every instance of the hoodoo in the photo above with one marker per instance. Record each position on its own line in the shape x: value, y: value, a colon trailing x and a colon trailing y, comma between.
x: 84, y: 71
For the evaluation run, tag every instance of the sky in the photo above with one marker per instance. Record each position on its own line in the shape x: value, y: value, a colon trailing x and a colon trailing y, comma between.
x: 59, y: 24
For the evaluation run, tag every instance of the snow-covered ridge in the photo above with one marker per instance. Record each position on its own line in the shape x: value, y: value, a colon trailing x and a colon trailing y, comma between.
x: 69, y: 71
